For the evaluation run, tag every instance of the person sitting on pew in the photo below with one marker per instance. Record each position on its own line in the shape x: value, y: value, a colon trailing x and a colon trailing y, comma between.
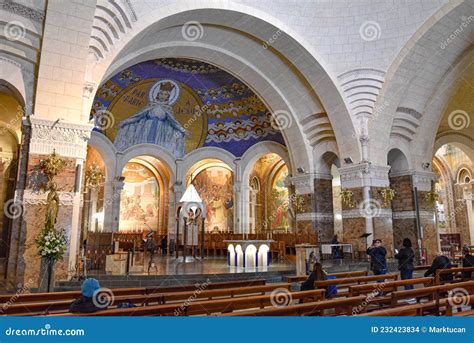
x: 467, y: 261
x: 318, y: 274
x: 405, y: 259
x: 85, y: 303
x: 440, y: 262
x: 377, y: 253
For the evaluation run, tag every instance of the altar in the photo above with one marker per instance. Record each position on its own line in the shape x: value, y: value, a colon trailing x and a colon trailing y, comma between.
x: 248, y: 253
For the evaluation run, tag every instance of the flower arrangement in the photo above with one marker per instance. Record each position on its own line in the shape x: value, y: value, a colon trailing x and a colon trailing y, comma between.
x: 52, y: 243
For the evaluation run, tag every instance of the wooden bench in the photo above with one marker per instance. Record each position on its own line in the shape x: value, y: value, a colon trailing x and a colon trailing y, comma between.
x: 457, y: 274
x: 421, y: 308
x: 337, y: 275
x: 355, y: 280
x: 408, y: 310
x: 345, y: 305
x: 146, y: 299
x: 34, y: 303
x: 389, y: 286
x: 224, y: 293
x: 433, y: 292
x: 204, y: 307
x: 71, y: 295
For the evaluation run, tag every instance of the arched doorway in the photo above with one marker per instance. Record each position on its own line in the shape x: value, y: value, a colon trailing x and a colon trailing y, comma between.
x: 11, y: 113
x: 214, y: 182
x: 143, y: 200
x: 453, y: 197
x: 268, y: 199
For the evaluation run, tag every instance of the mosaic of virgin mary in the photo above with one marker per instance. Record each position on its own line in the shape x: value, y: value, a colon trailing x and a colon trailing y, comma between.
x: 155, y: 123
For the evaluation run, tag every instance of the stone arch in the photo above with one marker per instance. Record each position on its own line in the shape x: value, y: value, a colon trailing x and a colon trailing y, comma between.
x: 107, y: 151
x: 14, y: 78
x: 190, y: 160
x: 406, y: 90
x: 308, y: 74
x: 398, y: 161
x: 147, y: 150
x: 248, y: 160
x: 463, y: 173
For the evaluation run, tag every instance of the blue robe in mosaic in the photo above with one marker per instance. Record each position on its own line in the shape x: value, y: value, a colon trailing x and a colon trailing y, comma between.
x: 153, y: 124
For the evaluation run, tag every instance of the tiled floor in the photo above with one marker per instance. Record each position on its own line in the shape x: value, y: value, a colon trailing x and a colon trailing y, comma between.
x: 210, y: 265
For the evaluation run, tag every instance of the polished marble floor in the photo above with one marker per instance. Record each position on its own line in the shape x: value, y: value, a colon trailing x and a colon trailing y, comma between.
x: 167, y: 265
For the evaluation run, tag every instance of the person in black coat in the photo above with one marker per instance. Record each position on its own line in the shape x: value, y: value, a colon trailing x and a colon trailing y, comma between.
x: 467, y: 261
x: 85, y: 303
x: 405, y: 259
x: 440, y: 262
x: 164, y: 246
x: 378, y: 262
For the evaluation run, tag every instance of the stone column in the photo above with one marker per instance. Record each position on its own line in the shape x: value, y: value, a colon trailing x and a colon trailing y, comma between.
x: 238, y: 208
x: 117, y: 187
x: 366, y: 214
x: 69, y: 140
x: 108, y: 206
x: 404, y: 210
x: 245, y: 210
x: 303, y: 201
x: 324, y: 211
x: 314, y: 192
x: 463, y: 212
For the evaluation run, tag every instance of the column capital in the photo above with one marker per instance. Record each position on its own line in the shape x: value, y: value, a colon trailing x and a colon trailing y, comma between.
x: 304, y: 183
x: 67, y: 138
x: 420, y: 179
x: 363, y: 175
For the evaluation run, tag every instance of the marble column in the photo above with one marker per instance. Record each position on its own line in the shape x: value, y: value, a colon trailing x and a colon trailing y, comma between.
x: 366, y: 214
x: 323, y: 211
x: 42, y: 137
x: 462, y: 213
x: 302, y: 201
x: 117, y: 187
x: 404, y: 210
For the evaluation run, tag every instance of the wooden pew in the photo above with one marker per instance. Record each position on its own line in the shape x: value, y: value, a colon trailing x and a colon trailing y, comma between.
x: 420, y: 309
x: 457, y: 274
x: 337, y: 275
x: 433, y: 292
x: 54, y: 296
x: 343, y: 284
x: 409, y: 310
x: 147, y: 299
x: 307, y: 309
x: 225, y: 292
x: 204, y: 307
x: 42, y: 308
x: 71, y: 295
x: 388, y: 286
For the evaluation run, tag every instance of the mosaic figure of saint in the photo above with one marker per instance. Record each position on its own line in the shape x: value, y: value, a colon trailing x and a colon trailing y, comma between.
x: 155, y: 123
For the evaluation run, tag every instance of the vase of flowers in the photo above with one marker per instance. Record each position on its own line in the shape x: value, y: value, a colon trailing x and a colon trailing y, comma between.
x: 52, y: 245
